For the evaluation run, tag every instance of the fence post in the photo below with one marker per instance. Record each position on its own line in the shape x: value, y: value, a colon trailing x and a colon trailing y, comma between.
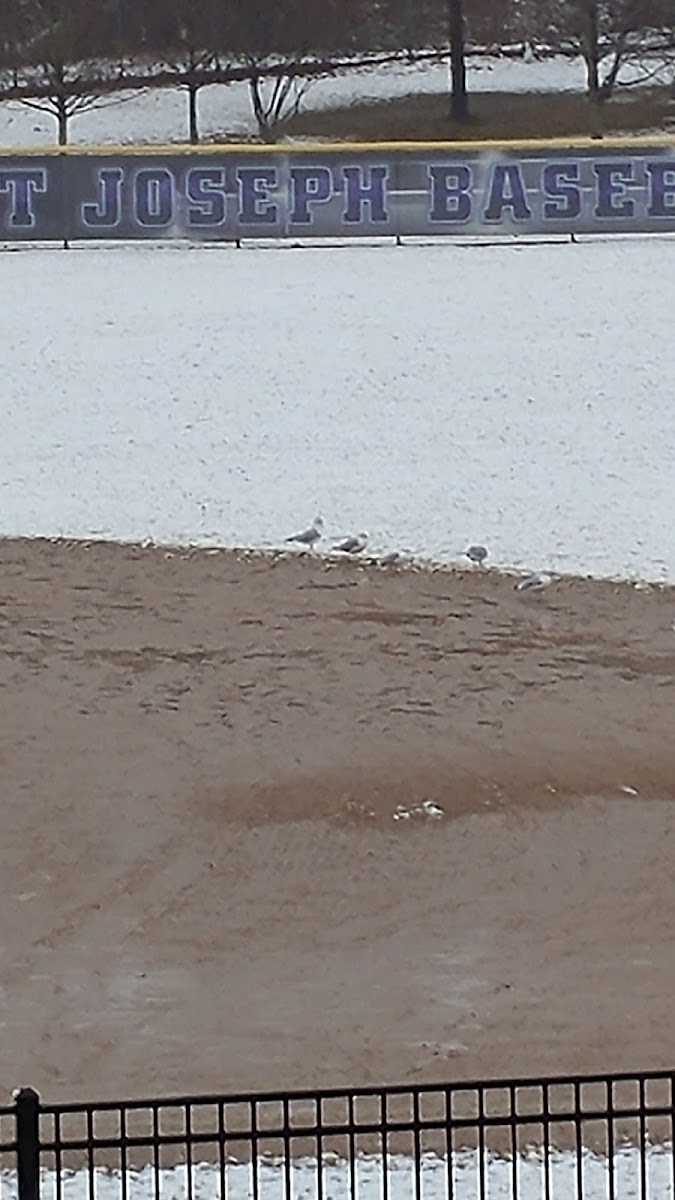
x: 28, y: 1143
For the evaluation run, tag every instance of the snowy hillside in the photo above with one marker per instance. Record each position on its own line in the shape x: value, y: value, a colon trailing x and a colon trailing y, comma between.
x: 161, y: 116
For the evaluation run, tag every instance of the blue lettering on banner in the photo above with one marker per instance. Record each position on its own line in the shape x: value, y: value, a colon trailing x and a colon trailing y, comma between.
x: 561, y: 185
x: 154, y: 197
x: 255, y: 184
x: 612, y: 179
x: 365, y: 186
x: 507, y: 191
x: 205, y: 189
x: 106, y: 211
x: 661, y: 189
x: 450, y: 193
x: 21, y: 184
x: 311, y: 185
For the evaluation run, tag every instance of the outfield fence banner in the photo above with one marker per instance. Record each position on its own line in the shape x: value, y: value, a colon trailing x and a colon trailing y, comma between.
x: 235, y: 193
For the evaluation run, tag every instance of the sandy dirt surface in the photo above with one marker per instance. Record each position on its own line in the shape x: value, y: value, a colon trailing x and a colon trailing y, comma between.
x: 204, y: 886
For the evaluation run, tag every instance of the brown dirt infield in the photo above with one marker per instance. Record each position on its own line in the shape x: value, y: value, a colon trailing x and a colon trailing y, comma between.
x: 203, y: 883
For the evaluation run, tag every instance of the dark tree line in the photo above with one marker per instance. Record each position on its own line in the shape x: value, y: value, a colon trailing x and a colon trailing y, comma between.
x: 66, y: 55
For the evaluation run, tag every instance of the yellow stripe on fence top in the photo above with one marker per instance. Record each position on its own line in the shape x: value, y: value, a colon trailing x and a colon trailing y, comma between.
x: 253, y: 148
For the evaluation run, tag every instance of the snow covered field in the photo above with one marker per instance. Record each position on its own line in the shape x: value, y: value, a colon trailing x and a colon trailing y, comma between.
x: 498, y: 1180
x: 432, y: 395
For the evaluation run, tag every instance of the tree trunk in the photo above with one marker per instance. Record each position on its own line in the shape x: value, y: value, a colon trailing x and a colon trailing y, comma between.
x: 596, y: 115
x: 260, y: 110
x: 591, y: 53
x: 459, y: 101
x: 193, y: 120
x: 62, y: 118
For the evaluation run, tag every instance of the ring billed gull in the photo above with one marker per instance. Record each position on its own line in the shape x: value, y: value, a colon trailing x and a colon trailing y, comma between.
x: 393, y: 558
x: 534, y: 583
x: 352, y: 545
x: 307, y: 537
x: 476, y: 554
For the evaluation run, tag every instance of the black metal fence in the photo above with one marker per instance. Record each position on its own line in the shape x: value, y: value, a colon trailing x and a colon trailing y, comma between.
x: 574, y: 1138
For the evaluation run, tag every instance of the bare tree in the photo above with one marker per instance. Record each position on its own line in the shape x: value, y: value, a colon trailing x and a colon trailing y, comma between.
x: 56, y: 58
x: 274, y: 99
x: 185, y: 35
x: 284, y: 44
x: 609, y: 35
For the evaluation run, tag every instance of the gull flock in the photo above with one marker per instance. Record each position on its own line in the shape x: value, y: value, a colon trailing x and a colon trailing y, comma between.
x: 355, y: 544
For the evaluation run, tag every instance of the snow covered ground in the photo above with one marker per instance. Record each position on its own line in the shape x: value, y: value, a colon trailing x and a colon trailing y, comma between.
x: 432, y: 395
x: 498, y: 1180
x: 161, y: 116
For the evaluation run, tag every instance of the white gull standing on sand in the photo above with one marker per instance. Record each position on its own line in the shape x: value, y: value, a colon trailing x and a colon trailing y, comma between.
x: 534, y: 583
x: 352, y: 545
x: 307, y: 537
x: 393, y: 559
x: 476, y: 554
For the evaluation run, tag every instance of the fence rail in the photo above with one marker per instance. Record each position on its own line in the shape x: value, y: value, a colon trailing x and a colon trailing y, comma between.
x: 572, y: 1138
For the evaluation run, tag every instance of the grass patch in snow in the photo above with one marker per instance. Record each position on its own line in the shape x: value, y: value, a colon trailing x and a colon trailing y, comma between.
x: 494, y: 116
